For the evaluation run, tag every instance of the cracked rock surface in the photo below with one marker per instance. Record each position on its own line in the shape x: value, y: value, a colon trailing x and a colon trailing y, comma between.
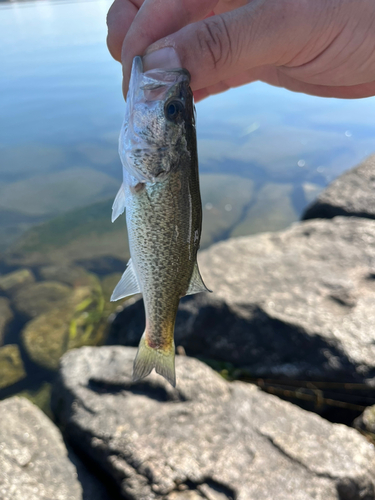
x: 34, y: 463
x: 295, y: 304
x: 206, y: 439
x: 33, y: 459
x: 353, y: 193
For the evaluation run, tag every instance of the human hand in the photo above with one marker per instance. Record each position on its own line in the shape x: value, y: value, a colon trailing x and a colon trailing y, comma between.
x: 319, y: 47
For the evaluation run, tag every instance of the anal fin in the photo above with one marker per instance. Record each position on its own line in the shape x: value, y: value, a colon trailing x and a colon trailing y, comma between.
x: 128, y: 284
x: 196, y: 284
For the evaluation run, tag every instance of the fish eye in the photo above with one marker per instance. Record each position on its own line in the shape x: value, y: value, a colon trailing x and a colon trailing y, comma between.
x: 173, y: 109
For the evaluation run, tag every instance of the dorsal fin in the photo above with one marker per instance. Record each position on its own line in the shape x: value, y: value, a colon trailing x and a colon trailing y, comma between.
x: 128, y: 284
x: 196, y: 283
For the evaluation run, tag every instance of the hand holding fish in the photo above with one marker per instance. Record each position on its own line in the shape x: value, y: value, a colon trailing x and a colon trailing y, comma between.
x: 320, y: 47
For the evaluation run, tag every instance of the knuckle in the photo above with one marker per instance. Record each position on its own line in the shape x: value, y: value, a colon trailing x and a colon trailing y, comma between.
x: 214, y: 38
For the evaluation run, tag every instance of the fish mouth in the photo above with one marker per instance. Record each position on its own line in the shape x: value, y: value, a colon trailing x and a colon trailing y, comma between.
x: 155, y: 84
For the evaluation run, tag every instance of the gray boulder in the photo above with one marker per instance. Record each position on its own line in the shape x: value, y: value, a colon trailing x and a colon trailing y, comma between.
x: 295, y: 304
x: 34, y: 462
x: 33, y: 458
x: 205, y: 439
x: 366, y: 422
x: 353, y: 193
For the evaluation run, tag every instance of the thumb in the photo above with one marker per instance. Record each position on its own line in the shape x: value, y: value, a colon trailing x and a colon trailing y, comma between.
x: 263, y: 32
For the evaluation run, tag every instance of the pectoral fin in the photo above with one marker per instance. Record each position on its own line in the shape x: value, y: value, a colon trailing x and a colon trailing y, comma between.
x: 196, y: 283
x: 128, y: 284
x: 118, y: 206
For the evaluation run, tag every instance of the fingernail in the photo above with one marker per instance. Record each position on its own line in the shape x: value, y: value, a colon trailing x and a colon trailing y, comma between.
x: 166, y: 57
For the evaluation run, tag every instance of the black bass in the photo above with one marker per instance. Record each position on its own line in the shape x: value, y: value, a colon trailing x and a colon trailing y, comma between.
x: 160, y: 192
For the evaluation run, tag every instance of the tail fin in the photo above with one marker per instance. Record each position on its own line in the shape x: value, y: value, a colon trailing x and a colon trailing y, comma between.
x: 148, y: 358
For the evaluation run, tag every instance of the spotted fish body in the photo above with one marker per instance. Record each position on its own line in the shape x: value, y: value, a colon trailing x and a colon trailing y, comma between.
x: 163, y: 208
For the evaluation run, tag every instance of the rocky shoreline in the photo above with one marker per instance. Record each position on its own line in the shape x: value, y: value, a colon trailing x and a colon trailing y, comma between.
x: 294, y: 306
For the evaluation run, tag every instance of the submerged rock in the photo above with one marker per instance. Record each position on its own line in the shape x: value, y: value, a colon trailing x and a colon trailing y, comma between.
x: 37, y: 298
x: 17, y: 279
x: 6, y: 316
x: 34, y: 463
x: 294, y: 304
x: 70, y: 275
x: 86, y: 236
x: 11, y: 366
x: 83, y: 235
x: 78, y: 320
x: 205, y: 439
x: 353, y: 193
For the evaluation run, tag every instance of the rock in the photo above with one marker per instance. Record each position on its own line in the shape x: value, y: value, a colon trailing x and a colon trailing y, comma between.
x: 37, y: 298
x: 353, y: 193
x: 15, y: 280
x: 11, y: 366
x: 366, y: 422
x: 82, y: 235
x: 34, y: 463
x: 73, y: 275
x: 296, y: 304
x: 6, y: 316
x: 50, y: 193
x: 78, y: 320
x: 205, y: 439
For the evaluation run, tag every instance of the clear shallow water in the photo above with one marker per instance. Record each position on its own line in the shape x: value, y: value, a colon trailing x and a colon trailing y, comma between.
x: 264, y: 154
x: 61, y: 109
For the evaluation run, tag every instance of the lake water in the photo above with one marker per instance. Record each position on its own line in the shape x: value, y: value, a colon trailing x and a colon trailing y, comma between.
x: 61, y: 110
x: 264, y: 152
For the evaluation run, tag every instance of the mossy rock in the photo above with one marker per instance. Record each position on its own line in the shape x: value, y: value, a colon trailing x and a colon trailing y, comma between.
x: 78, y: 321
x: 6, y: 315
x: 11, y: 282
x: 11, y: 366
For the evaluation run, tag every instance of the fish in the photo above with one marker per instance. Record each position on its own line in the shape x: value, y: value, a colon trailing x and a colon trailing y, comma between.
x: 161, y: 197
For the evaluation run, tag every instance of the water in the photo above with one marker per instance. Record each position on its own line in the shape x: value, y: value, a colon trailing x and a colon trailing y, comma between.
x: 264, y: 152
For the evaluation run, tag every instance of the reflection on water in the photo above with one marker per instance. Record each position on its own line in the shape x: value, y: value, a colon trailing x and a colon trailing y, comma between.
x: 264, y: 154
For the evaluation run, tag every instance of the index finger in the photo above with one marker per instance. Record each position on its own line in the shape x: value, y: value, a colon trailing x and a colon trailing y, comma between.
x: 119, y: 19
x: 157, y: 19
